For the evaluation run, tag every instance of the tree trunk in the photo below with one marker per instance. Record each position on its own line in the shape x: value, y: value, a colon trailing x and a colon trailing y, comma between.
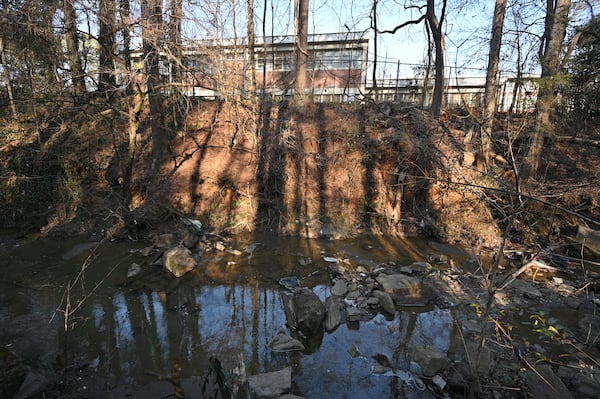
x: 375, y: 46
x: 125, y: 21
x: 489, y: 99
x: 557, y: 19
x: 151, y: 33
x: 251, y: 56
x: 7, y: 80
x: 301, y: 48
x: 72, y: 40
x: 175, y: 38
x: 440, y: 49
x: 106, y: 40
x: 425, y: 93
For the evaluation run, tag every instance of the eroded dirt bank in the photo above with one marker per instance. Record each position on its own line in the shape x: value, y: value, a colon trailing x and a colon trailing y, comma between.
x: 330, y: 171
x: 317, y: 170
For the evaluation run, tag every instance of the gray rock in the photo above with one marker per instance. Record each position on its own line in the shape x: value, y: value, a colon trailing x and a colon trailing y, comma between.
x: 385, y: 301
x: 405, y: 289
x: 304, y: 311
x: 420, y: 267
x: 189, y: 238
x: 179, y: 260
x: 430, y: 359
x: 372, y: 301
x: 333, y: 317
x: 291, y: 283
x: 352, y: 313
x: 134, y: 270
x: 166, y: 240
x: 543, y: 383
x: 586, y: 381
x: 439, y: 381
x: 339, y: 288
x: 529, y: 290
x: 284, y: 343
x: 33, y: 384
x: 271, y: 385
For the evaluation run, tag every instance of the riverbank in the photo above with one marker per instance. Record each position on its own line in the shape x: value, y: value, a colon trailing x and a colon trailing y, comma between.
x: 320, y: 173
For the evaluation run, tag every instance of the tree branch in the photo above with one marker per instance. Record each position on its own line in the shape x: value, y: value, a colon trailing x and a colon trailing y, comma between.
x: 411, y: 22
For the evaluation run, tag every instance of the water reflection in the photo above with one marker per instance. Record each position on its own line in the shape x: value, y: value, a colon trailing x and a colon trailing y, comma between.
x: 236, y: 311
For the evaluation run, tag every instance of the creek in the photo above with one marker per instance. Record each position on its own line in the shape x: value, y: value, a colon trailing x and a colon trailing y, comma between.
x: 116, y: 339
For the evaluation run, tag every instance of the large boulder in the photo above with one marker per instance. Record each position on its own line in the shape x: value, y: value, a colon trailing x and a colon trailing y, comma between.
x: 304, y: 311
x: 405, y: 290
x: 179, y: 260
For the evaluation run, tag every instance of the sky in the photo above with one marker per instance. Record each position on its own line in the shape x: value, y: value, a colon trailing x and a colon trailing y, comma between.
x: 467, y: 29
x: 408, y: 45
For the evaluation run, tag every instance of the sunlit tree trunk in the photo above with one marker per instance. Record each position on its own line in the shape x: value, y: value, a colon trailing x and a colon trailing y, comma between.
x: 72, y: 41
x: 152, y: 30
x: 557, y: 19
x: 251, y: 57
x: 301, y: 22
x: 425, y: 92
x: 175, y: 43
x: 7, y: 80
x: 436, y: 26
x: 106, y: 40
x: 491, y: 86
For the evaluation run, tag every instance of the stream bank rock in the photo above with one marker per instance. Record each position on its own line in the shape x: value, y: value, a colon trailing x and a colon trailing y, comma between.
x: 405, y: 290
x: 271, y: 385
x: 304, y: 311
x: 179, y: 260
x: 544, y: 383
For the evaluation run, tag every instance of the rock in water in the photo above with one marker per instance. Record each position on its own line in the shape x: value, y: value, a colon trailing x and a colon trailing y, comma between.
x: 405, y: 290
x: 271, y: 385
x: 284, y: 343
x: 333, y: 316
x: 385, y: 301
x: 304, y: 311
x: 179, y: 260
x: 339, y: 288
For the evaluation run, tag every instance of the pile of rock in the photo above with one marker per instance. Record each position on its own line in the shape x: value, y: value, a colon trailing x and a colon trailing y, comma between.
x: 355, y: 295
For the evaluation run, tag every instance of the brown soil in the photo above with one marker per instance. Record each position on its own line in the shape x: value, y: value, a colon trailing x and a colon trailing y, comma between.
x: 316, y: 170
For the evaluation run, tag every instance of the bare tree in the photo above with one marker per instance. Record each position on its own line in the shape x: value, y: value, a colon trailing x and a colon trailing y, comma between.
x: 375, y: 44
x: 301, y: 32
x: 436, y: 26
x: 125, y: 29
x: 7, y: 80
x: 106, y: 40
x: 72, y: 40
x: 175, y: 41
x: 152, y: 28
x: 556, y: 22
x: 251, y: 56
x: 489, y: 100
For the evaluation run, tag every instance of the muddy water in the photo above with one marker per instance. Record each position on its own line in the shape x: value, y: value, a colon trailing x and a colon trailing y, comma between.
x: 229, y: 308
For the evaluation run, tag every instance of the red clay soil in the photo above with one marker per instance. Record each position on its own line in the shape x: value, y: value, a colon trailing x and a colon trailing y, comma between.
x: 314, y: 170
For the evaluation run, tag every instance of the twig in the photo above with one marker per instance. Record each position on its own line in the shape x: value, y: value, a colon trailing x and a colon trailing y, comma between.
x: 511, y: 192
x: 533, y: 264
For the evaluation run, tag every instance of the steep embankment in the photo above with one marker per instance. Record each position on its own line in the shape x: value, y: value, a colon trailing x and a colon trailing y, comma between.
x: 316, y: 170
x: 323, y: 171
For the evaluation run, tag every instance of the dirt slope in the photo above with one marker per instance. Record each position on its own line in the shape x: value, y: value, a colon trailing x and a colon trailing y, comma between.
x: 316, y: 170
